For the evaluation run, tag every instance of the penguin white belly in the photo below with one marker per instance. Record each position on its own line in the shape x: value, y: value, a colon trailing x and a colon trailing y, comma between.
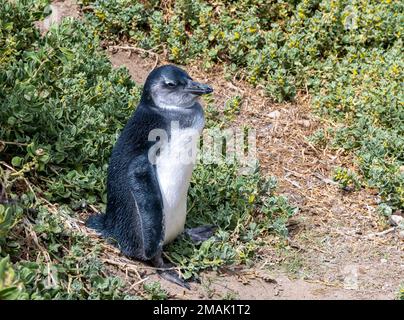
x: 174, y: 174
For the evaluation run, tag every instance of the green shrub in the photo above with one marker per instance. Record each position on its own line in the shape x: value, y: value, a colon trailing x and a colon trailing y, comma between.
x: 401, y: 294
x: 154, y: 291
x: 10, y: 287
x: 68, y: 122
x: 347, y: 179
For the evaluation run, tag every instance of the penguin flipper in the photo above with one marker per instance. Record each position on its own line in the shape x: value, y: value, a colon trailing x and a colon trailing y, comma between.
x: 200, y: 234
x: 148, y: 207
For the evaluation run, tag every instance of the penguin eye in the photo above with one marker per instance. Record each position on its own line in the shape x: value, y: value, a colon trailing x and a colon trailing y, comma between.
x: 170, y: 84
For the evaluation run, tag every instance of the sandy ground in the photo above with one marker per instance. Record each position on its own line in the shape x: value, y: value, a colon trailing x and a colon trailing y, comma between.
x: 336, y: 248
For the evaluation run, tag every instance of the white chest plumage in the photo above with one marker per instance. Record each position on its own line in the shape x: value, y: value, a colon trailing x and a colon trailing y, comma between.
x: 174, y: 165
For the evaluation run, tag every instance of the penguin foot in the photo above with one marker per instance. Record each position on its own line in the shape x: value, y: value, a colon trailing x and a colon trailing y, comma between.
x: 200, y: 234
x: 169, y: 274
x: 174, y: 277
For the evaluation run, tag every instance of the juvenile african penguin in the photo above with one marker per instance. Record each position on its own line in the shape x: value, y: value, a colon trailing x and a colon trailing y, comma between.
x: 150, y: 169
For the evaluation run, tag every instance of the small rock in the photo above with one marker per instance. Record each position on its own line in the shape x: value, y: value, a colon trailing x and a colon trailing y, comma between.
x: 304, y: 123
x: 401, y: 234
x: 337, y: 209
x: 274, y: 114
x: 383, y: 260
x: 395, y: 220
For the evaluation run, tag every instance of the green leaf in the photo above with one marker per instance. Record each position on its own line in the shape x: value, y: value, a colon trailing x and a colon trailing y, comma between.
x: 16, y: 161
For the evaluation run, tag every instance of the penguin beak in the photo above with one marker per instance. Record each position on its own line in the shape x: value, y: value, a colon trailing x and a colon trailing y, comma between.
x: 197, y: 88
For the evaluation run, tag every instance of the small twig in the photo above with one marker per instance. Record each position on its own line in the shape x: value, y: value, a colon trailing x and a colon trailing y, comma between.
x: 382, y: 233
x: 132, y: 267
x: 325, y: 180
x: 25, y: 180
x: 231, y: 85
x: 94, y: 208
x: 294, y: 183
x: 328, y: 284
x: 297, y: 174
x: 294, y: 245
x: 51, y: 51
x: 87, y: 8
x: 137, y: 283
x: 310, y: 145
x: 132, y: 49
x: 8, y: 166
x: 136, y: 49
x: 69, y: 284
x: 20, y: 144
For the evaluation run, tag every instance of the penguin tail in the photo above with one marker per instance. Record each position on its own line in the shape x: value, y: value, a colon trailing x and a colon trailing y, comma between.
x: 96, y: 222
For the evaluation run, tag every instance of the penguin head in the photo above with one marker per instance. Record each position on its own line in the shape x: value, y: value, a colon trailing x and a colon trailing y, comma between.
x: 171, y: 87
